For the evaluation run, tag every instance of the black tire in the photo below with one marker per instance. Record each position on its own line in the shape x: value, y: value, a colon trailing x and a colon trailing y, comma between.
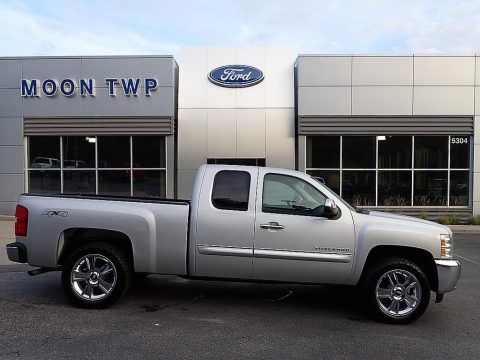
x: 96, y: 275
x: 395, y: 290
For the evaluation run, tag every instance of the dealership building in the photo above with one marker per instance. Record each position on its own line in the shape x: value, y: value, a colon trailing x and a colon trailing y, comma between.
x: 395, y: 133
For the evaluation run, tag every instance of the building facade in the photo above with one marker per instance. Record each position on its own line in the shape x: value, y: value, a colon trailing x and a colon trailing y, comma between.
x: 387, y: 132
x: 399, y: 130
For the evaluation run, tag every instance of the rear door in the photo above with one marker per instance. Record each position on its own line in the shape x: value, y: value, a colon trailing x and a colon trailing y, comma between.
x: 225, y: 222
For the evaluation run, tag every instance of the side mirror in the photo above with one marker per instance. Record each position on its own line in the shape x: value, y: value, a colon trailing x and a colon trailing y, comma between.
x: 330, y: 208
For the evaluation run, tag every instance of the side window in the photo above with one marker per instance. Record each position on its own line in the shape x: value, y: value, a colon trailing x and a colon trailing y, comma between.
x: 231, y: 190
x: 290, y: 195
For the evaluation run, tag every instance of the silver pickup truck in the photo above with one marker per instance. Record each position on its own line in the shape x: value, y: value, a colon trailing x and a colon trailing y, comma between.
x: 247, y: 223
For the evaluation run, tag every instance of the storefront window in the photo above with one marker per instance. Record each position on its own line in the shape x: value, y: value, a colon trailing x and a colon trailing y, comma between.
x: 97, y: 165
x: 78, y: 152
x: 44, y: 181
x: 430, y: 188
x: 149, y: 183
x: 431, y: 152
x: 323, y: 152
x: 114, y: 182
x: 148, y: 151
x: 459, y: 152
x: 459, y: 186
x: 331, y: 178
x: 440, y: 170
x: 358, y: 187
x: 44, y: 165
x: 394, y: 188
x: 394, y: 152
x: 358, y: 152
x: 113, y: 151
x: 78, y: 182
x: 44, y: 152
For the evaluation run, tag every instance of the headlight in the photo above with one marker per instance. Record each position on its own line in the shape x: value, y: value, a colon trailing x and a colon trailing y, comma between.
x: 446, y: 246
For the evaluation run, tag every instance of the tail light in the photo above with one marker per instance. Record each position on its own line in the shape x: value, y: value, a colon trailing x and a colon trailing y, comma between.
x: 21, y: 213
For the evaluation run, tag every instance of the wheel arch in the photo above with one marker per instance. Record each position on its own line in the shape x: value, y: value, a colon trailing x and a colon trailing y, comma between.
x: 71, y: 239
x: 421, y: 257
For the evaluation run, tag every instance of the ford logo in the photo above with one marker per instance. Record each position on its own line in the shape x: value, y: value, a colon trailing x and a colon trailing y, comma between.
x: 235, y: 76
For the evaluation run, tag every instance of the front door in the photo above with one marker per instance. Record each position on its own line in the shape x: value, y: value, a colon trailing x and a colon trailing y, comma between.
x: 293, y: 241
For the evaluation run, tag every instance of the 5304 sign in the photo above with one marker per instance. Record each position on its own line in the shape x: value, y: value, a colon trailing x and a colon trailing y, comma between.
x: 459, y: 140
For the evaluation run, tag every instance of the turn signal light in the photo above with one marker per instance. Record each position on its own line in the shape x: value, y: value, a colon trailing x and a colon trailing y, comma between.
x: 21, y: 223
x: 446, y: 246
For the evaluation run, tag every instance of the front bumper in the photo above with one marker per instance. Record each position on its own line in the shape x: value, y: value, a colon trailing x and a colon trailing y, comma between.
x: 17, y: 252
x: 448, y: 272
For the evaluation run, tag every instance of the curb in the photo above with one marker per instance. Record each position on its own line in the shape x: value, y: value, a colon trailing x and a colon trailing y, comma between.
x: 465, y: 229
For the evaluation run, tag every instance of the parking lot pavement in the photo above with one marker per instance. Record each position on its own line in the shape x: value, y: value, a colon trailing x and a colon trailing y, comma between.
x: 169, y: 317
x: 7, y: 235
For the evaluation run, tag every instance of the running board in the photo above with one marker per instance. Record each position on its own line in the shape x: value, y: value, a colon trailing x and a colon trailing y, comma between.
x: 38, y: 271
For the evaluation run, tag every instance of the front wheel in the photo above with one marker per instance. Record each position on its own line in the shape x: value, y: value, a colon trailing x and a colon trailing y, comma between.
x: 396, y: 291
x: 96, y: 275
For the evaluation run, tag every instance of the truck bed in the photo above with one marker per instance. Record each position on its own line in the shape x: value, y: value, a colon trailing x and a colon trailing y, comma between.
x: 156, y: 228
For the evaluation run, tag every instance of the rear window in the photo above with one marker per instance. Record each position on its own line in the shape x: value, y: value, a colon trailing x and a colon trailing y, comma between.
x: 231, y: 190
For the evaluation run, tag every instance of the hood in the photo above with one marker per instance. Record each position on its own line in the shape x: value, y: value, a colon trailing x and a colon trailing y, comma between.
x: 444, y: 229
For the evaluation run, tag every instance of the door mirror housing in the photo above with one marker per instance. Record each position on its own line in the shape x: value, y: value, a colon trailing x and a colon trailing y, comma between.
x: 330, y: 209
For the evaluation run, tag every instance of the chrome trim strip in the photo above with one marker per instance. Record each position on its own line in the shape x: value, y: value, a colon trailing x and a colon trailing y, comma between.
x: 224, y: 250
x: 302, y: 255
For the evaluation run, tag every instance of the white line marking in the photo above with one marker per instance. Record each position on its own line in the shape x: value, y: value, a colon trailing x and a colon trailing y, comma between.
x: 461, y: 257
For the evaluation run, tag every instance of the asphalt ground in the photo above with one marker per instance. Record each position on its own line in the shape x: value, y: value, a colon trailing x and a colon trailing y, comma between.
x: 165, y: 317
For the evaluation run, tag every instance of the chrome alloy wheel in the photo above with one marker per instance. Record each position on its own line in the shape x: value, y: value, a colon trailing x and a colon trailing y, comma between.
x: 93, y: 277
x: 398, y: 293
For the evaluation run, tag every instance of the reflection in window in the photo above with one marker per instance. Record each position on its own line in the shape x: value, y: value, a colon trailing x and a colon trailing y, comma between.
x: 394, y: 188
x: 431, y: 152
x: 45, y: 171
x: 394, y: 152
x: 358, y: 187
x: 359, y: 152
x: 78, y: 152
x: 430, y: 188
x: 323, y: 152
x: 44, y: 152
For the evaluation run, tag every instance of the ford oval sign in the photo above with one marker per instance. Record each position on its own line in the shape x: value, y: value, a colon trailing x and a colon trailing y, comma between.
x: 235, y: 76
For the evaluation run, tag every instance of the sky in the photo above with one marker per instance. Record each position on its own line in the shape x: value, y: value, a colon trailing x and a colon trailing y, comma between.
x: 137, y: 27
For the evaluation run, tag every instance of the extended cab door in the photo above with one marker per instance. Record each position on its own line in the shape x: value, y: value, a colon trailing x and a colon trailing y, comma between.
x: 225, y: 222
x: 293, y: 240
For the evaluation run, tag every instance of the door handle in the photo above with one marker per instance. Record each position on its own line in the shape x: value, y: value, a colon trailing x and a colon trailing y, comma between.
x: 272, y: 226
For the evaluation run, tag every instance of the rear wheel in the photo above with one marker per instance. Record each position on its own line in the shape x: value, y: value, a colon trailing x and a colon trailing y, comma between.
x: 396, y: 291
x: 96, y: 275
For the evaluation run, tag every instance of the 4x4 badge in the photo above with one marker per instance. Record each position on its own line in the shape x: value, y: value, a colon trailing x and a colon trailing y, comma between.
x: 51, y: 213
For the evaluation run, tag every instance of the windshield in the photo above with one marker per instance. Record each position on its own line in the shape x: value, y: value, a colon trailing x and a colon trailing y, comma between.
x: 351, y: 207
